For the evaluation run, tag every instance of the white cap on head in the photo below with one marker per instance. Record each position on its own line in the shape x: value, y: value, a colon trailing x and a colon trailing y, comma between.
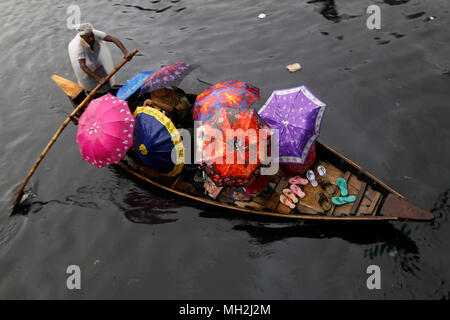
x: 84, y: 28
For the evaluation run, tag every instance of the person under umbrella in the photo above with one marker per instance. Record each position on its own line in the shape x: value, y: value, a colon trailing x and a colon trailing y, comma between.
x: 155, y: 139
x: 229, y: 144
x: 161, y: 92
x: 174, y: 104
x: 236, y: 99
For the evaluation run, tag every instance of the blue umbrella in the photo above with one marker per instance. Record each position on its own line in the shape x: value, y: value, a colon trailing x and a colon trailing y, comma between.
x: 155, y: 139
x: 133, y: 85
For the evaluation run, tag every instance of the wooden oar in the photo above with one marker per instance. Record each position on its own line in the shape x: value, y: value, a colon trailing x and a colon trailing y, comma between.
x: 65, y: 123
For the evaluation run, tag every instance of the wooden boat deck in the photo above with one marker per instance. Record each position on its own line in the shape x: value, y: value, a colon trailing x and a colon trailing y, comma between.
x: 366, y: 207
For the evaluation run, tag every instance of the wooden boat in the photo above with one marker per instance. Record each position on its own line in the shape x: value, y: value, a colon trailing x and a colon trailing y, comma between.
x: 375, y: 201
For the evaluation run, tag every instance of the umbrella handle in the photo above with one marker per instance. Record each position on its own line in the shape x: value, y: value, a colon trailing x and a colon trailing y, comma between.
x: 65, y: 123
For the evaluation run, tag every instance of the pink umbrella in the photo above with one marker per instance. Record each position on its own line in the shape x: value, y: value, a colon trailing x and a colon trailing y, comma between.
x: 105, y: 131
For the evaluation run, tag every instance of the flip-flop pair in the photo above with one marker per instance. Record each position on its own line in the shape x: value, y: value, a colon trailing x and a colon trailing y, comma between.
x: 294, y: 185
x: 298, y: 180
x: 312, y: 177
x: 288, y: 198
x: 323, y: 201
x: 322, y: 180
x: 344, y: 198
x: 297, y: 191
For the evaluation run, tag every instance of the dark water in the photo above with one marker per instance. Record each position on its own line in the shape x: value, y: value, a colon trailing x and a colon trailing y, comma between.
x: 388, y: 96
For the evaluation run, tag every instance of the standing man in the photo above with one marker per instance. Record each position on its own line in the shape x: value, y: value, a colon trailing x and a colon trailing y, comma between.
x: 90, y: 57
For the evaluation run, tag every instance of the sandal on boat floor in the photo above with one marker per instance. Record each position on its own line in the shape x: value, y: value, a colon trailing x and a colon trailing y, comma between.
x: 298, y: 180
x: 297, y: 191
x: 321, y: 171
x: 287, y: 201
x: 240, y: 200
x: 288, y: 193
x: 323, y: 201
x: 326, y: 184
x: 343, y: 200
x: 312, y: 178
x: 342, y: 184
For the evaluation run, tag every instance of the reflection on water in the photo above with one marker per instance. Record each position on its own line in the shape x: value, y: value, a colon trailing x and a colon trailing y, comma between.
x: 387, y: 239
x: 329, y: 11
x: 28, y: 206
x: 395, y: 2
x: 358, y: 233
x: 415, y: 15
x: 156, y: 10
x: 148, y: 9
x: 82, y: 198
x: 441, y: 210
x: 400, y: 247
x: 138, y: 206
x: 446, y: 74
x: 149, y: 208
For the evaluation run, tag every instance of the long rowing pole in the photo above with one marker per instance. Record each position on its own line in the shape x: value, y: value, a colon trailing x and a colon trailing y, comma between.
x: 65, y: 123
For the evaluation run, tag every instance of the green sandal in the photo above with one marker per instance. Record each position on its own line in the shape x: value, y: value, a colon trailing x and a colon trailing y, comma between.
x: 343, y: 200
x: 342, y: 184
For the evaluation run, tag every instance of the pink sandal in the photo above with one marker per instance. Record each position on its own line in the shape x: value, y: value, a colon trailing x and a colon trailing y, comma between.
x: 298, y: 180
x: 287, y: 201
x: 297, y: 190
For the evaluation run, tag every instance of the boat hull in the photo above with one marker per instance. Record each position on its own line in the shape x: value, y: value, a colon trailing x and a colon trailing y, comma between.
x: 375, y: 200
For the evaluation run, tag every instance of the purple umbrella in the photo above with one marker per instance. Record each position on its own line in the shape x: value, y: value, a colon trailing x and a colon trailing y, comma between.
x: 167, y: 76
x: 297, y: 114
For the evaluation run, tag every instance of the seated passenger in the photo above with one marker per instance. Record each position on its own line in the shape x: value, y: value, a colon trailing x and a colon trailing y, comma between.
x: 174, y: 104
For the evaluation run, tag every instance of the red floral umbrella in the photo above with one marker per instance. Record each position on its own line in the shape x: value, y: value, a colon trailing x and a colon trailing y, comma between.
x: 234, y: 93
x: 229, y: 143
